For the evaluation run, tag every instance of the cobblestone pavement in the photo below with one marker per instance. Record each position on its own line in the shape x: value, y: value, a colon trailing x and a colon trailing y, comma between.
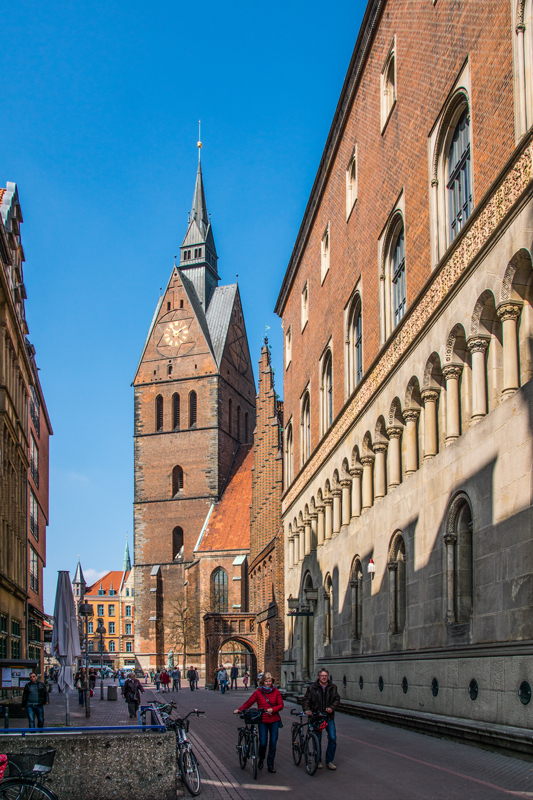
x: 375, y: 761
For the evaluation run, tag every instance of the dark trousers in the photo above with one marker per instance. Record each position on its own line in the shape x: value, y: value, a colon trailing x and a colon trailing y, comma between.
x: 81, y: 697
x: 36, y: 711
x: 267, y: 729
x: 191, y: 684
x: 176, y: 685
x: 332, y: 741
x: 234, y: 681
x: 132, y: 708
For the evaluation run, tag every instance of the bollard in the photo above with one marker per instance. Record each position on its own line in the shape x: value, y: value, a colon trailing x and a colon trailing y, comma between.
x: 6, y: 717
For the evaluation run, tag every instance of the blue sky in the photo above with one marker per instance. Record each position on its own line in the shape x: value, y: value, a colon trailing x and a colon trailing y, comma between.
x: 100, y: 107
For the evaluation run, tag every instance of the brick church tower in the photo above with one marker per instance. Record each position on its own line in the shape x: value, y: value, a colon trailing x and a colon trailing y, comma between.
x: 194, y: 407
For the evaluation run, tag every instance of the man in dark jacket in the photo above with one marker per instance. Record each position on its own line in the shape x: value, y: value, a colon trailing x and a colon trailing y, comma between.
x: 34, y: 698
x: 234, y: 674
x: 322, y: 696
x: 132, y: 694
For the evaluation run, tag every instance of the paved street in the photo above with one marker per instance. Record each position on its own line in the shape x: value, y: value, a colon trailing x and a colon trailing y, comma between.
x: 375, y: 761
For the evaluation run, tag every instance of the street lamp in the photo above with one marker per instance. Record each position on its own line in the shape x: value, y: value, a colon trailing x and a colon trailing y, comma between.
x: 86, y: 610
x: 101, y: 630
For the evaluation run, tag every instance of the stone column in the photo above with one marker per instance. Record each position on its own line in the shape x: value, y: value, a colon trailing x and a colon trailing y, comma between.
x: 509, y: 314
x: 346, y: 510
x: 307, y: 537
x: 380, y: 449
x: 449, y: 541
x: 291, y: 552
x: 452, y: 373
x: 395, y: 456
x: 301, y: 536
x: 368, y: 481
x: 314, y: 518
x: 336, y: 510
x: 328, y: 526
x: 431, y: 436
x: 411, y: 435
x: 296, y: 547
x: 477, y: 347
x: 435, y: 228
x: 321, y: 528
x: 392, y: 567
x: 356, y: 474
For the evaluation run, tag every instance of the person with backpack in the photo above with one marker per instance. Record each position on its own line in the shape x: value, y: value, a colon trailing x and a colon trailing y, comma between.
x: 270, y: 702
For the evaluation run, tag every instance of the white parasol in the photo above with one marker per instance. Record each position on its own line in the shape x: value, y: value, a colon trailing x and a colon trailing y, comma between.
x: 65, y: 637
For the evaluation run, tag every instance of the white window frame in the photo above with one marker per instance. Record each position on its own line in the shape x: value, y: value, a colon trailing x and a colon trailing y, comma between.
x: 305, y: 442
x: 385, y: 255
x: 351, y: 183
x: 325, y: 422
x: 387, y: 89
x: 305, y: 304
x: 288, y: 346
x: 325, y: 250
x: 289, y: 453
x: 522, y: 36
x: 350, y: 366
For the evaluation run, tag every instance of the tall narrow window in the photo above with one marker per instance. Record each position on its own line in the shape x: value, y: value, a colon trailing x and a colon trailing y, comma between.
x: 192, y: 410
x: 176, y: 412
x: 306, y: 427
x: 230, y: 416
x: 288, y: 347
x: 34, y: 571
x: 159, y: 413
x: 35, y: 409
x: 238, y: 432
x: 219, y: 591
x: 324, y: 255
x: 388, y: 86
x: 289, y: 455
x: 354, y: 343
x: 397, y: 585
x: 328, y: 610
x: 327, y: 392
x: 34, y: 516
x: 399, y: 292
x: 34, y: 461
x: 459, y: 184
x: 356, y: 584
x: 351, y: 183
x: 459, y: 560
x: 305, y: 305
x: 177, y: 544
x: 177, y: 480
x: 246, y: 431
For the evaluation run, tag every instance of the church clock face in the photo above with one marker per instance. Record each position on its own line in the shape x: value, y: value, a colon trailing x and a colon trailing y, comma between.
x: 176, y: 333
x: 174, y: 337
x: 237, y: 349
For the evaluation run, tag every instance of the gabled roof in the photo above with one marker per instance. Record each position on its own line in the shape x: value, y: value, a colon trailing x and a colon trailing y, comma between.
x: 197, y: 308
x: 229, y: 525
x: 106, y: 583
x: 154, y: 320
x: 218, y: 317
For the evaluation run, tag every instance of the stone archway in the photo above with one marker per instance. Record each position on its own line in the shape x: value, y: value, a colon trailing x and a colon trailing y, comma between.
x: 241, y: 654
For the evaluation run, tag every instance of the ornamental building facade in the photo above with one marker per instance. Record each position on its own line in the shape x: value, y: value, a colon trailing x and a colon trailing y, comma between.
x: 407, y: 316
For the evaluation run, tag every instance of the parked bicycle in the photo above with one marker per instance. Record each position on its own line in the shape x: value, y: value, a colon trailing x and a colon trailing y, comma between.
x: 187, y: 761
x: 28, y: 772
x: 248, y: 741
x: 306, y: 743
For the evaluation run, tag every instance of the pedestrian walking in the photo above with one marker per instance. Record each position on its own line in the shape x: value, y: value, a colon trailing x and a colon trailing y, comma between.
x: 222, y: 679
x: 191, y: 677
x: 245, y: 679
x: 121, y: 682
x: 157, y: 680
x: 152, y: 675
x: 234, y: 674
x: 34, y: 699
x: 216, y: 678
x: 92, y: 680
x: 270, y: 702
x: 322, y: 695
x: 165, y: 680
x: 197, y: 677
x: 176, y: 679
x: 82, y: 685
x: 132, y: 694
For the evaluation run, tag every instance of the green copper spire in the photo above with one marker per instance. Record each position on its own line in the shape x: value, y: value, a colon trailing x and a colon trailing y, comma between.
x: 127, y: 560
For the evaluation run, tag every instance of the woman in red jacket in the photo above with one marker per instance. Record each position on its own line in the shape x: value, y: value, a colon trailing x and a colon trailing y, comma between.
x: 270, y: 702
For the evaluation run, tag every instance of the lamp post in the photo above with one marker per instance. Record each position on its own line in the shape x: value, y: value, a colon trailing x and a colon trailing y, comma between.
x: 101, y: 630
x: 86, y: 611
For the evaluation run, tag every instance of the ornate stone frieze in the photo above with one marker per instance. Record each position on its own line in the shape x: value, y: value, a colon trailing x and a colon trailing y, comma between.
x: 482, y: 225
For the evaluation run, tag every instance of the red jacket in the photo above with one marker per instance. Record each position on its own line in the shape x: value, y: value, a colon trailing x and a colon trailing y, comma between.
x: 275, y: 702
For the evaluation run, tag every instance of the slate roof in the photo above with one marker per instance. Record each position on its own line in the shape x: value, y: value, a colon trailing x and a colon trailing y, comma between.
x: 229, y: 525
x: 78, y: 577
x: 197, y: 308
x: 218, y: 317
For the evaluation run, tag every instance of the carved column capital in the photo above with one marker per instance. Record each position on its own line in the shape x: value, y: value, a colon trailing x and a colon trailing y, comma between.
x: 450, y: 538
x: 380, y: 447
x: 392, y: 566
x: 336, y: 492
x: 507, y: 311
x: 477, y: 344
x: 328, y: 501
x: 313, y: 515
x: 394, y: 432
x: 411, y: 414
x: 452, y: 371
x: 346, y: 483
x: 356, y: 472
x: 367, y: 461
x: 430, y: 395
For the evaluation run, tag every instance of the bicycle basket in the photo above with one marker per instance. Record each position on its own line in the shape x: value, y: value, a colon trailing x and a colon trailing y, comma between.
x: 30, y: 761
x: 253, y: 717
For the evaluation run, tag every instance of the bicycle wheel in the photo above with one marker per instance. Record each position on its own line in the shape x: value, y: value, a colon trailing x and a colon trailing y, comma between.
x: 295, y: 744
x: 254, y: 755
x: 25, y: 789
x: 242, y: 749
x: 311, y: 753
x: 190, y: 774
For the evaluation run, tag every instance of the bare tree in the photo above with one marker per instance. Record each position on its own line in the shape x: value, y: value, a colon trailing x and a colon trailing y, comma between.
x: 183, y: 627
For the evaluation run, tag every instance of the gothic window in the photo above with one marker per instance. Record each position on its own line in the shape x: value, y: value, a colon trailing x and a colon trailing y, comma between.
x: 230, y: 416
x: 238, y: 432
x: 459, y: 182
x: 288, y: 347
x: 305, y: 305
x: 176, y: 411
x: 159, y: 413
x: 326, y: 391
x: 177, y: 544
x: 324, y: 255
x: 192, y: 410
x: 177, y: 480
x: 351, y: 183
x: 305, y: 428
x: 388, y: 86
x: 246, y: 424
x: 459, y: 557
x: 356, y: 585
x: 219, y: 591
x: 354, y: 344
x: 328, y: 610
x: 397, y: 584
x: 289, y: 455
x: 399, y: 294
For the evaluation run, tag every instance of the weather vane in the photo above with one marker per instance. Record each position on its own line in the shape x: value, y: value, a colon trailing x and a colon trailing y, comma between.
x: 199, y: 143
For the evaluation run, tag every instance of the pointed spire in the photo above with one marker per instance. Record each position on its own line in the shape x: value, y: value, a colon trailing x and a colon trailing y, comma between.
x: 78, y: 577
x: 127, y: 560
x: 199, y: 209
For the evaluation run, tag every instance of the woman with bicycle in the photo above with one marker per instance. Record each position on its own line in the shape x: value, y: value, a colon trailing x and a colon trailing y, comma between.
x: 270, y: 702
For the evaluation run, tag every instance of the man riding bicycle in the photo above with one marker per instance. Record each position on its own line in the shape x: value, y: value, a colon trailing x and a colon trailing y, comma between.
x: 322, y: 695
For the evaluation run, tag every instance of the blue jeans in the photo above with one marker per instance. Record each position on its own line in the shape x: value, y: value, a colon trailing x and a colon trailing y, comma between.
x: 223, y: 685
x: 264, y: 729
x: 32, y: 711
x: 332, y: 742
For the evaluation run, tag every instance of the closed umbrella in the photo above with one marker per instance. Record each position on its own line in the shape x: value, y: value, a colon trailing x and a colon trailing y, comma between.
x: 65, y: 638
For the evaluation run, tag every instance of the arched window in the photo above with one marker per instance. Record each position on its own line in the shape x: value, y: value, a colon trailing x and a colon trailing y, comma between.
x: 219, y: 591
x: 176, y: 412
x: 177, y: 544
x: 159, y: 413
x: 230, y: 416
x: 459, y: 184
x: 289, y: 455
x: 328, y: 610
x: 326, y: 391
x: 177, y: 480
x: 459, y: 560
x: 356, y: 585
x: 354, y: 344
x: 246, y: 424
x: 192, y: 410
x: 388, y: 86
x: 397, y: 584
x: 305, y: 426
x: 238, y: 432
x: 399, y: 292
